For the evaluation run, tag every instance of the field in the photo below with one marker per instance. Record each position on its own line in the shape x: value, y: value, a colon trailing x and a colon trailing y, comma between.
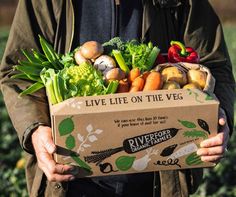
x: 218, y: 182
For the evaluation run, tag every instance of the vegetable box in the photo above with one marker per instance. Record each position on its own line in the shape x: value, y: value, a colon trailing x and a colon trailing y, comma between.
x: 134, y: 132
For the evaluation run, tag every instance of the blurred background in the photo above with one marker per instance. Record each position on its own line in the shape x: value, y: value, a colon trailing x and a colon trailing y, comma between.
x: 218, y: 182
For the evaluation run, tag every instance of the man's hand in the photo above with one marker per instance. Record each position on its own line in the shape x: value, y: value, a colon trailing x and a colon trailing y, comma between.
x: 44, y: 148
x: 213, y: 149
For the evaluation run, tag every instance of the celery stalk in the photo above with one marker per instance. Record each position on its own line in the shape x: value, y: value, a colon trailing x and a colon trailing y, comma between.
x: 120, y: 60
x: 50, y: 92
x: 152, y: 57
x: 112, y: 87
x: 56, y: 88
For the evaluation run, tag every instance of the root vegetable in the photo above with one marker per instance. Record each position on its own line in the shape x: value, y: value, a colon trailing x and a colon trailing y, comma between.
x: 197, y: 77
x: 133, y: 74
x: 153, y: 82
x: 192, y: 86
x: 123, y: 86
x: 137, y: 84
x: 174, y: 74
x: 145, y: 75
x: 170, y: 85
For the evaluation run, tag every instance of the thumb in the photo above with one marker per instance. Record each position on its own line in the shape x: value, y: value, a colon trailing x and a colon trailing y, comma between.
x: 222, y: 121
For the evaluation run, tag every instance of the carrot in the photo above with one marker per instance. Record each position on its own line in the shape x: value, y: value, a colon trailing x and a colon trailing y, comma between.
x: 154, y: 81
x: 134, y: 73
x: 123, y: 86
x: 145, y: 75
x: 137, y: 84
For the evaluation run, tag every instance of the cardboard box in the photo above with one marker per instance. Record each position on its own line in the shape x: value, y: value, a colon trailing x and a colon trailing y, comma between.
x: 134, y: 132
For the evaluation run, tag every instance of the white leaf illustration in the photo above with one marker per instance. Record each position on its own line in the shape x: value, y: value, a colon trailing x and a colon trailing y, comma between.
x: 86, y: 145
x: 92, y: 138
x: 89, y: 128
x: 98, y: 131
x: 80, y: 137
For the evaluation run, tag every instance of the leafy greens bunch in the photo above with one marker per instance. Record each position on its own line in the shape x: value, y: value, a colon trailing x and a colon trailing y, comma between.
x: 59, y: 74
x: 132, y: 54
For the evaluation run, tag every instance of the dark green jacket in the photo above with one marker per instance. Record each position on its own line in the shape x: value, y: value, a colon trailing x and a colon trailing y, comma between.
x: 196, y: 25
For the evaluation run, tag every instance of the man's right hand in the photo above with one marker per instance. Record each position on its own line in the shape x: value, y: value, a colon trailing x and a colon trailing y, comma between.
x: 44, y: 148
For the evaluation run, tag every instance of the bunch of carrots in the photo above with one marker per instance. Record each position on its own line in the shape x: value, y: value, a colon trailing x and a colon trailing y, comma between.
x: 137, y: 81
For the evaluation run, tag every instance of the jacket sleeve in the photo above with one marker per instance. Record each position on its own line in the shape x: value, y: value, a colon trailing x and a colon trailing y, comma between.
x: 204, y: 33
x: 26, y: 112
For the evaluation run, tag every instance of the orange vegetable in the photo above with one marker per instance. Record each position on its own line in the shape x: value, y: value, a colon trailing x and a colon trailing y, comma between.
x: 154, y: 81
x: 145, y: 75
x: 123, y: 86
x: 137, y: 84
x: 133, y: 74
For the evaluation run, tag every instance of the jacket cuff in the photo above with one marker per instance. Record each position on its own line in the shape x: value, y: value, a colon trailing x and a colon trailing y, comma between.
x: 26, y: 139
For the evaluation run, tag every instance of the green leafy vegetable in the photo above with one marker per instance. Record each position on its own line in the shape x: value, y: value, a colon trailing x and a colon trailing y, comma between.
x: 50, y: 53
x: 134, y: 54
x: 114, y: 43
x: 33, y: 88
x: 120, y: 60
x: 84, y: 80
x: 112, y: 87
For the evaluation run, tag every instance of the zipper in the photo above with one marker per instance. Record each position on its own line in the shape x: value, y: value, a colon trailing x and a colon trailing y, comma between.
x: 73, y: 25
x: 116, y: 18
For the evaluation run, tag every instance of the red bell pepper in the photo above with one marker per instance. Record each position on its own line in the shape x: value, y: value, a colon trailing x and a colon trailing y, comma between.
x: 161, y: 59
x: 179, y: 53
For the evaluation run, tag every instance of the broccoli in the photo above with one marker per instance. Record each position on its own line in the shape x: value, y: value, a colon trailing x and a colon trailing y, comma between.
x: 114, y: 43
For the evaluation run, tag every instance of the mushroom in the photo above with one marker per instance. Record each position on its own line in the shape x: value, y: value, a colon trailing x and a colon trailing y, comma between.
x: 79, y: 58
x: 104, y: 63
x: 115, y: 74
x: 91, y: 50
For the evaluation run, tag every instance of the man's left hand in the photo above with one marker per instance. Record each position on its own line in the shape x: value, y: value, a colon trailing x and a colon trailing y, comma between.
x: 214, y: 148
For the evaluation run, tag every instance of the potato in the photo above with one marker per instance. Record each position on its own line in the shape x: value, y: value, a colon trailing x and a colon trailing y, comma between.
x: 197, y: 77
x: 174, y: 74
x: 192, y: 86
x: 170, y: 85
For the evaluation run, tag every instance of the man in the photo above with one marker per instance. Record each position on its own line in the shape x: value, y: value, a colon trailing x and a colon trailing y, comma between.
x: 67, y: 24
